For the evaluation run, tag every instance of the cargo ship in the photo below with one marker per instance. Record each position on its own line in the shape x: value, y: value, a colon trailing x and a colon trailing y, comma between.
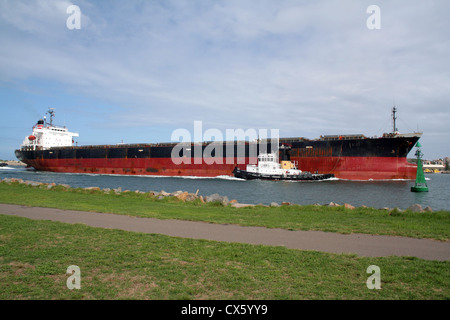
x: 352, y: 157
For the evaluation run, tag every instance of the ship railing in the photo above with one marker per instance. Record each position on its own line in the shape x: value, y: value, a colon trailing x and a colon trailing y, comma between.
x: 290, y: 140
x: 343, y: 137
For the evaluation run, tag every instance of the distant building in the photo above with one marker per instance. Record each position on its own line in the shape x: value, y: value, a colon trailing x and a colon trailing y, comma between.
x: 433, y: 168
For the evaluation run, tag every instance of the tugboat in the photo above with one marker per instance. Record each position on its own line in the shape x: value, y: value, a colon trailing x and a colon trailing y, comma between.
x: 269, y: 168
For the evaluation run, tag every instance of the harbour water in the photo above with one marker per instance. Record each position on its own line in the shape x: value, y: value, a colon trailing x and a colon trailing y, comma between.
x: 377, y: 194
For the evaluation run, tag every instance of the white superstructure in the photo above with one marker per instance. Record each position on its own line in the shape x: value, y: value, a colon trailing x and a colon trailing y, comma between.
x: 46, y: 135
x: 268, y: 165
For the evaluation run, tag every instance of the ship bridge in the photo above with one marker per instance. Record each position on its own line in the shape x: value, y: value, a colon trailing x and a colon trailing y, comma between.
x: 45, y: 135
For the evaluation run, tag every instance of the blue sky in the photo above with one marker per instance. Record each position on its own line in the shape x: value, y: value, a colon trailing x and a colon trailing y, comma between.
x: 138, y: 70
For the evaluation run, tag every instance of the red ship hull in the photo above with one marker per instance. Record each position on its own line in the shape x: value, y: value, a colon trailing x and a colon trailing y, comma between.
x: 351, y: 168
x: 360, y: 168
x: 352, y: 159
x: 153, y: 167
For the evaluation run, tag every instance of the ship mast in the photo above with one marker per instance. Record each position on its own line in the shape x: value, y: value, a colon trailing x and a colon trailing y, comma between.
x: 394, y: 117
x: 51, y: 112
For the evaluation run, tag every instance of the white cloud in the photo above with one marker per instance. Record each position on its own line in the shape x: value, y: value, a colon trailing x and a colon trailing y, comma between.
x: 34, y: 17
x: 306, y: 67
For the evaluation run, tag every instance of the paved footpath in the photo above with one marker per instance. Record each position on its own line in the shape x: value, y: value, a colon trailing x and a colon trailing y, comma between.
x: 360, y: 244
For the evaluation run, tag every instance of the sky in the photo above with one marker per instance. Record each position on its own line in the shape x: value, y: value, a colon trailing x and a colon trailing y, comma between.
x: 136, y: 71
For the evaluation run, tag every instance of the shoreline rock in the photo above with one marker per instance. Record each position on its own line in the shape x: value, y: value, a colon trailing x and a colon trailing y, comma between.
x: 185, y: 196
x: 217, y: 198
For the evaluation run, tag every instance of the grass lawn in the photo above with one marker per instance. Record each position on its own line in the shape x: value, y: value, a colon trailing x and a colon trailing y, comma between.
x: 434, y: 225
x: 117, y: 264
x: 114, y: 264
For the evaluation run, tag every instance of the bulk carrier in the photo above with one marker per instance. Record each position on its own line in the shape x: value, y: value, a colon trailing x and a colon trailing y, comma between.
x: 352, y: 157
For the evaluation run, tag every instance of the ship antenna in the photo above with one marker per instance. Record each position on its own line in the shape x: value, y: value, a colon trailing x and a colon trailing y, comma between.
x: 394, y: 117
x: 51, y: 112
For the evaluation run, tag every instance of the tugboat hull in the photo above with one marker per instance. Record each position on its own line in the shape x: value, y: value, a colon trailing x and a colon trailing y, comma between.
x: 304, y: 176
